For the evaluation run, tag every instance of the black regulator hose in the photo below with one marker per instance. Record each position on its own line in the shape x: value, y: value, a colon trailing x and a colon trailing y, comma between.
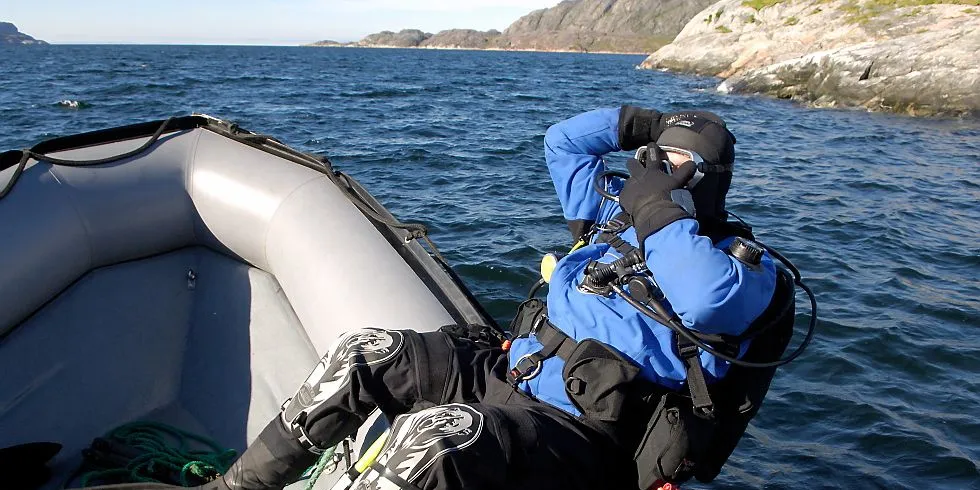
x: 600, y: 179
x: 660, y: 315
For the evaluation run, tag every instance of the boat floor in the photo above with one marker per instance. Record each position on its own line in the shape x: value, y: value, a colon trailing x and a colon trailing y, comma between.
x: 191, y: 338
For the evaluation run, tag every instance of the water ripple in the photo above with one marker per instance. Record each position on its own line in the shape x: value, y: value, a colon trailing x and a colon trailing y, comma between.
x: 880, y: 212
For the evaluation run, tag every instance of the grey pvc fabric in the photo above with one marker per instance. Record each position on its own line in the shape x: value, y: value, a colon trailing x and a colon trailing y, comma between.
x: 195, y: 285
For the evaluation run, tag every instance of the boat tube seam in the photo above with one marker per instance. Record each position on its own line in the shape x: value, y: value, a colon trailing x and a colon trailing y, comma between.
x: 72, y: 201
x: 189, y: 177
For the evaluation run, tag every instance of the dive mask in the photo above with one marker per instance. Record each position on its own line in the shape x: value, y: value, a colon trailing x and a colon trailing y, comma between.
x: 643, y: 155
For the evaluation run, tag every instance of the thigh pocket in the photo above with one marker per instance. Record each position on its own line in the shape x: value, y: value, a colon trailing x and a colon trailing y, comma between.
x: 674, y: 441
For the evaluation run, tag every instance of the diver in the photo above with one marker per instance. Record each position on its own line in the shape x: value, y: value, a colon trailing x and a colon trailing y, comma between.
x: 659, y: 338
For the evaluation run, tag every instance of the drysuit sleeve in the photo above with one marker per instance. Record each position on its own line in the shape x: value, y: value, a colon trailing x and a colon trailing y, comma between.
x: 709, y: 290
x: 573, y: 150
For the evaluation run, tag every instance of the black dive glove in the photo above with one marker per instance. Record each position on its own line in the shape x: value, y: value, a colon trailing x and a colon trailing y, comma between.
x: 647, y: 194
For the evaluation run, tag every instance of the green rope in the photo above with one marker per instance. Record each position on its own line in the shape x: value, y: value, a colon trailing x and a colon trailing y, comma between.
x: 152, y: 452
x: 321, y: 465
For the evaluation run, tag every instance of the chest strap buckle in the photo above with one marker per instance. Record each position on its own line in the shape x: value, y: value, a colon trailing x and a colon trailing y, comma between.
x: 526, y: 368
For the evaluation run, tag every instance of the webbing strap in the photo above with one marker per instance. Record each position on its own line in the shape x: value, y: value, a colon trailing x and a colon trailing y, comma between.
x: 393, y: 477
x: 529, y: 315
x: 696, y: 383
x: 610, y: 233
x: 553, y: 341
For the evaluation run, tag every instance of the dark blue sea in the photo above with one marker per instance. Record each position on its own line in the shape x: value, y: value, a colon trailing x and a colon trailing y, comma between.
x: 880, y: 212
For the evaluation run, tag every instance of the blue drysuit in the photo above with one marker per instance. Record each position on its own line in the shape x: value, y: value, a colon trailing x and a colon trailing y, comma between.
x: 709, y: 290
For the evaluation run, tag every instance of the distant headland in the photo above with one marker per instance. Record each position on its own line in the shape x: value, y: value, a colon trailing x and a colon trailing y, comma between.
x: 588, y: 26
x: 10, y: 35
x: 915, y: 57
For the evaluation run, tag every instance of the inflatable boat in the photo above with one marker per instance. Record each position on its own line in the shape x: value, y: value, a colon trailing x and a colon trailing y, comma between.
x: 190, y: 273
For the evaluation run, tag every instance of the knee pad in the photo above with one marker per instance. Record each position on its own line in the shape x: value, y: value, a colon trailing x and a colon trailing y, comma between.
x: 417, y: 441
x: 364, y: 347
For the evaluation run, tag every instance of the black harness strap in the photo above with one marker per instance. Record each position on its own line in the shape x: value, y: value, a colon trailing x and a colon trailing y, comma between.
x: 554, y: 343
x: 611, y: 231
x: 393, y: 477
x: 696, y: 383
x: 532, y: 319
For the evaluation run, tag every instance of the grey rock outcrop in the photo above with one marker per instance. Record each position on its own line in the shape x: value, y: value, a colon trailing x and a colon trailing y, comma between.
x: 639, y: 26
x: 463, y: 39
x: 10, y: 35
x: 406, y: 38
x: 328, y: 43
x: 918, y: 60
x: 620, y: 26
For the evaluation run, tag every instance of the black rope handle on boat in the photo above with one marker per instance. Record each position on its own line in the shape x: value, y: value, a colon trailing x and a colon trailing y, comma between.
x: 26, y: 155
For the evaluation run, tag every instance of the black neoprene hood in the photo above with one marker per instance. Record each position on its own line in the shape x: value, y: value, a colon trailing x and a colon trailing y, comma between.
x: 705, y: 134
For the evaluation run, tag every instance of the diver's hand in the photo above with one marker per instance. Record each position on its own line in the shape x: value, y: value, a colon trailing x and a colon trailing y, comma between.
x: 646, y: 195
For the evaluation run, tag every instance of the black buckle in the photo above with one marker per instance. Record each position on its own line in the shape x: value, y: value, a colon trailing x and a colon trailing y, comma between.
x: 296, y: 428
x: 538, y: 322
x: 526, y: 368
x: 687, y: 350
x: 612, y: 226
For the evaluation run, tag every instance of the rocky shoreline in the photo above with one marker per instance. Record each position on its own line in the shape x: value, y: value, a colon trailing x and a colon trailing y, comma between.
x: 9, y: 35
x: 880, y: 55
x: 583, y: 26
x: 324, y: 44
x: 914, y: 57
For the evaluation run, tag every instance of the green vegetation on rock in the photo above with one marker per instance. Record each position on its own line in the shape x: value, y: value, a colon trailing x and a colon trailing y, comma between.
x: 863, y: 12
x: 791, y: 21
x: 761, y: 4
x: 723, y: 29
x: 713, y: 17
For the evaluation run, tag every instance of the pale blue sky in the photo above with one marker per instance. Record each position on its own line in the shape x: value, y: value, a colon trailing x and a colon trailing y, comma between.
x: 250, y: 21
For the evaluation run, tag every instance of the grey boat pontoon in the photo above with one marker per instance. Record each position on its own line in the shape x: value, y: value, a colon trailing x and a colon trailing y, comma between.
x: 194, y: 282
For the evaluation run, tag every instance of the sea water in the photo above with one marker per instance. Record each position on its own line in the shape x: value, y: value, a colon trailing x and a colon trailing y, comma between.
x: 880, y: 212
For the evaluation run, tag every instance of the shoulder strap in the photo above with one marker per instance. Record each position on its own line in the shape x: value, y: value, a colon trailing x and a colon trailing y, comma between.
x: 696, y: 383
x: 611, y: 230
x: 782, y: 303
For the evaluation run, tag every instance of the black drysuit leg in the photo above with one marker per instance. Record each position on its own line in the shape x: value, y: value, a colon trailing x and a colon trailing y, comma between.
x: 459, y: 432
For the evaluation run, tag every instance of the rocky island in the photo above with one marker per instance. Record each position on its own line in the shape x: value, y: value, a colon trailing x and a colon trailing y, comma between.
x: 10, y: 35
x: 917, y: 57
x: 620, y: 26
